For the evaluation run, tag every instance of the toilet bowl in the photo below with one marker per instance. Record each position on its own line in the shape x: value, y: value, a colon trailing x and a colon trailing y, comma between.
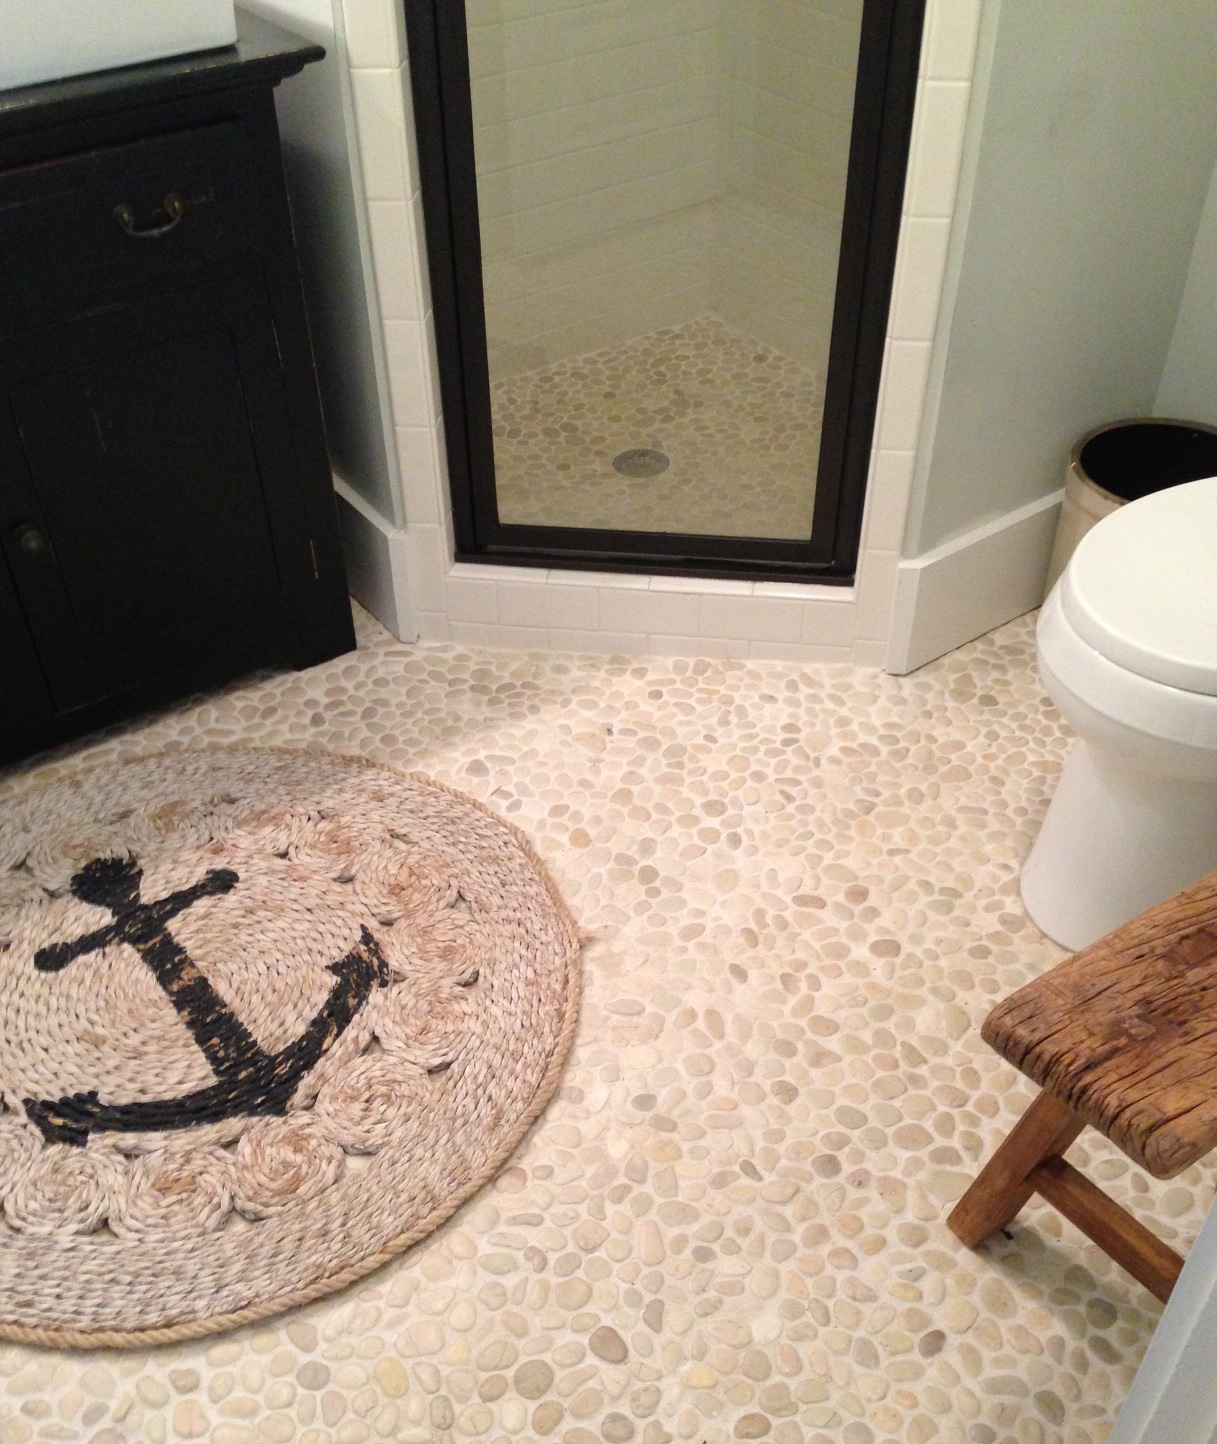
x: 1127, y: 648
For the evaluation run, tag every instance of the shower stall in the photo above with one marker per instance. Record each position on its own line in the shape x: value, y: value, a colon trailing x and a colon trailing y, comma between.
x: 661, y: 240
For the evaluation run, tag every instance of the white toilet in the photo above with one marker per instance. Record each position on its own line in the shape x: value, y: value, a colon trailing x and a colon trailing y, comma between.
x: 1127, y: 645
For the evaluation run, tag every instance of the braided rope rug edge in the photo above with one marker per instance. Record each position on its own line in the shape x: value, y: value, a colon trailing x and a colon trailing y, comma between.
x: 224, y: 1323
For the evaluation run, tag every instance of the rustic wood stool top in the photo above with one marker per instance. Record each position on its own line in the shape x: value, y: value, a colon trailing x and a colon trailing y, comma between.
x: 1125, y: 1032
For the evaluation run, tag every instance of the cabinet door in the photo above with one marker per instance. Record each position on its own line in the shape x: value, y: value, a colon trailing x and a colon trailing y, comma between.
x: 149, y: 497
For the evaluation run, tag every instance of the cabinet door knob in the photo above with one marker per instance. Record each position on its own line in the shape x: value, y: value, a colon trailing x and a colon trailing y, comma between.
x: 30, y: 540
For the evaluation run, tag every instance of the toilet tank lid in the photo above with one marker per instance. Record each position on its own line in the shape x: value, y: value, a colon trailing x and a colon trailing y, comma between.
x: 1141, y: 588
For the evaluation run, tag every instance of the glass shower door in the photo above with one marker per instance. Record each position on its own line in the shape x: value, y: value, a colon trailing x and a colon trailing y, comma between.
x: 661, y: 190
x: 664, y: 338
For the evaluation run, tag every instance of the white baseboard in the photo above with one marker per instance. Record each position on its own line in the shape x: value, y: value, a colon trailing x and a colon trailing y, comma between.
x: 968, y: 586
x: 375, y: 553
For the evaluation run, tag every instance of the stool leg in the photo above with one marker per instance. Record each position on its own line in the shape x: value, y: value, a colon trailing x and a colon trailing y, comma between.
x: 1002, y: 1187
x: 1104, y: 1222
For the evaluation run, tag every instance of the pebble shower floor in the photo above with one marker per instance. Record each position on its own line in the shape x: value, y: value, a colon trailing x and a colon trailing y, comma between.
x: 801, y: 883
x: 717, y: 404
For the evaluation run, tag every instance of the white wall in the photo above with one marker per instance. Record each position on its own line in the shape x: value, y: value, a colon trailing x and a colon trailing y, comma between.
x: 1091, y: 146
x: 1188, y: 388
x: 1099, y: 138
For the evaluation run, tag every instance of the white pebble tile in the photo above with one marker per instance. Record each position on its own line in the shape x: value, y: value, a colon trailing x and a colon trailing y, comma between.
x: 799, y: 882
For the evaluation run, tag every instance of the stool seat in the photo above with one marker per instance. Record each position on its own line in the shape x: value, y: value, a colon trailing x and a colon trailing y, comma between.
x: 1123, y: 1037
x: 1125, y: 1032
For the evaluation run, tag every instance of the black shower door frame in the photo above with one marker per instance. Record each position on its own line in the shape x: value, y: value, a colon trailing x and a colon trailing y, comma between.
x: 888, y: 56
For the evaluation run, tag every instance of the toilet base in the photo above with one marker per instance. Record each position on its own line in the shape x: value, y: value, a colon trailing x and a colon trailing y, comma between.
x: 1115, y: 841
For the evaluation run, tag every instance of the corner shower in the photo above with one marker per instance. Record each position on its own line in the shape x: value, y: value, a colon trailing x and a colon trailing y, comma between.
x: 661, y: 241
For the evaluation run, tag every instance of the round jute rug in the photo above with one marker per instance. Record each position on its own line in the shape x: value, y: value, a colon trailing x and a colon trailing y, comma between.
x: 266, y: 1019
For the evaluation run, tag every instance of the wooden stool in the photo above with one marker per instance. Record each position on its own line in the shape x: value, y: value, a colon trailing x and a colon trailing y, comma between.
x: 1121, y: 1036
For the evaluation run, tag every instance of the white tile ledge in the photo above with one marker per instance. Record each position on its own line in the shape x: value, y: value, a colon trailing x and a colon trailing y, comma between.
x: 639, y: 614
x: 638, y: 581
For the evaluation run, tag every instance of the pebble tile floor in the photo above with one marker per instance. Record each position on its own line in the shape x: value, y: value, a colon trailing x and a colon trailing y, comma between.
x: 717, y: 403
x: 800, y: 883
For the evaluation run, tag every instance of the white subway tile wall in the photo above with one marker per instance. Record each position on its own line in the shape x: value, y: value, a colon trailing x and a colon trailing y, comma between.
x: 380, y: 121
x: 420, y: 451
x: 597, y: 156
x: 785, y: 151
x: 923, y: 253
x: 937, y: 145
x: 876, y: 590
x: 410, y: 375
x: 949, y: 49
x: 641, y: 165
x: 832, y: 623
x: 375, y: 33
x: 907, y: 366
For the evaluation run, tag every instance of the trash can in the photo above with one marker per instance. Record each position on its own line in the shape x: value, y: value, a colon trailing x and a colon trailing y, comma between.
x: 1120, y: 462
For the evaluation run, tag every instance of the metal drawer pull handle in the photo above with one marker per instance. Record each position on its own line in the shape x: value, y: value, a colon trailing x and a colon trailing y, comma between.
x: 171, y: 205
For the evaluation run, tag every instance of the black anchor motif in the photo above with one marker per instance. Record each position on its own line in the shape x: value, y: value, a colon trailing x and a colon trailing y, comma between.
x: 249, y: 1080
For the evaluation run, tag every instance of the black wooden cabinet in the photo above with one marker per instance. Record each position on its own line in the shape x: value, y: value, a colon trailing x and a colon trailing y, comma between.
x: 167, y: 517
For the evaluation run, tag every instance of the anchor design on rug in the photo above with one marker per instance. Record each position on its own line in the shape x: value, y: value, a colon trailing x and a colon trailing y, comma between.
x: 249, y: 1080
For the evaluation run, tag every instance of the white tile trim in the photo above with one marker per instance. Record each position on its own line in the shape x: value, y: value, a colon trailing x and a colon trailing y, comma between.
x: 970, y: 585
x: 949, y: 47
x: 982, y: 54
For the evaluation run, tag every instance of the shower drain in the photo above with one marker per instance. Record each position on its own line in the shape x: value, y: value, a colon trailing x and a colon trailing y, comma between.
x: 640, y: 461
